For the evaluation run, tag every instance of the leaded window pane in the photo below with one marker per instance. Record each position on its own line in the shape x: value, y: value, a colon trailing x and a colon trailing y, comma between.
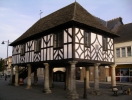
x: 129, y: 51
x: 117, y: 52
x: 87, y: 38
x: 123, y: 52
x: 104, y: 43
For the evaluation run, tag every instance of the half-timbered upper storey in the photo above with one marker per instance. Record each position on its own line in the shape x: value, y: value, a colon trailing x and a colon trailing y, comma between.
x: 70, y: 33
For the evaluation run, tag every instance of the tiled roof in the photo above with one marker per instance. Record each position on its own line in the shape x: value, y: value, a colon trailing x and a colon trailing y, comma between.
x: 102, y: 21
x: 125, y: 32
x: 113, y: 22
x: 73, y: 12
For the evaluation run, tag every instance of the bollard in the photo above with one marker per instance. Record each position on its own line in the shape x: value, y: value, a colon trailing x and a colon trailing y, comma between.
x: 85, y: 90
x: 128, y: 91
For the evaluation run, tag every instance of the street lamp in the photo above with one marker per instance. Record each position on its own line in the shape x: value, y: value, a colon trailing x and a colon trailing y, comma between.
x: 3, y: 42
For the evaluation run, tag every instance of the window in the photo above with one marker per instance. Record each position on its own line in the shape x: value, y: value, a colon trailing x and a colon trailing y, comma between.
x: 104, y: 43
x: 22, y: 49
x: 117, y: 52
x: 87, y: 38
x: 37, y: 45
x: 123, y: 52
x: 128, y: 51
x: 58, y: 39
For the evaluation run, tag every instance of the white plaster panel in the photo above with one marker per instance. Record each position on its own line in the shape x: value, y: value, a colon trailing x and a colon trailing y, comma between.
x: 70, y: 31
x: 89, y: 53
x: 33, y: 46
x: 48, y: 40
x: 32, y: 56
x: 69, y: 39
x: 18, y: 58
x: 82, y: 56
x: 70, y: 51
x: 100, y: 39
x: 76, y: 30
x: 55, y: 53
x: 51, y: 52
x: 42, y: 54
x: 52, y: 40
x: 93, y: 58
x: 79, y: 36
x: 61, y: 54
x: 26, y: 47
x: 92, y: 48
x: 108, y: 52
x: 65, y: 37
x: 93, y: 36
x: 92, y: 53
x: 76, y: 55
x: 18, y: 48
x: 82, y: 40
x: 44, y: 42
x: 48, y: 54
x: 65, y: 51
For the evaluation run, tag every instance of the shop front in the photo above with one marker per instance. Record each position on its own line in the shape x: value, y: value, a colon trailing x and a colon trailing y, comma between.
x: 124, y: 73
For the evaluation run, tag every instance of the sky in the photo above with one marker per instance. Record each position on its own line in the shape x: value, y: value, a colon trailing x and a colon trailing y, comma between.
x: 17, y: 16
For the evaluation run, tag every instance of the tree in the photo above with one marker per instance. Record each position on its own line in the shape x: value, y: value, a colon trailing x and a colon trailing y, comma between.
x: 2, y: 66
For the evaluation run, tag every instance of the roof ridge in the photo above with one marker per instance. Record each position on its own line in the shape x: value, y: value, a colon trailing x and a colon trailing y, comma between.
x: 128, y: 23
x: 114, y: 19
x: 74, y: 10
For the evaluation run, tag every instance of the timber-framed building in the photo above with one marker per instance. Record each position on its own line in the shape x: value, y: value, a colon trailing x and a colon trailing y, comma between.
x: 70, y: 37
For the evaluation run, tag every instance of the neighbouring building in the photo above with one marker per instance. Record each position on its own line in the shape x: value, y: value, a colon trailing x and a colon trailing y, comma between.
x: 70, y: 37
x: 7, y: 63
x: 123, y: 53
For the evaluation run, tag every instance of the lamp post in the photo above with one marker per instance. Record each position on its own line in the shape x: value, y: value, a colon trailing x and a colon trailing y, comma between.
x: 3, y: 42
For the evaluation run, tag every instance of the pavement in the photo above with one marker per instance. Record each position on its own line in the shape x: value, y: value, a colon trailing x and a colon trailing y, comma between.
x: 10, y: 92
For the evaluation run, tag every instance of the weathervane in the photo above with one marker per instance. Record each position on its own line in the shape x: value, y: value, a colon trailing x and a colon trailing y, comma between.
x: 40, y: 13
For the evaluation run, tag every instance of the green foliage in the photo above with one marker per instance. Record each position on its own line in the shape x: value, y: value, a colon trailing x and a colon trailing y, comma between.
x: 2, y: 66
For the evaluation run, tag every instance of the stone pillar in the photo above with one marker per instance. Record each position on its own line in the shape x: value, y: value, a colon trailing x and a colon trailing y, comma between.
x: 16, y: 76
x: 113, y: 77
x: 46, y: 79
x: 87, y: 78
x: 50, y: 77
x: 82, y: 73
x: 73, y: 94
x: 11, y: 76
x: 69, y: 78
x: 35, y: 77
x: 29, y: 77
x: 96, y: 79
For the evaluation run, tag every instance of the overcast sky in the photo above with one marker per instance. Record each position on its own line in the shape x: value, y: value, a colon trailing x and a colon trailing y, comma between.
x: 16, y: 16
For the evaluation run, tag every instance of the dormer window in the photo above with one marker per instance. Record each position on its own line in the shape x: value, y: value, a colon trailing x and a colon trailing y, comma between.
x: 22, y: 52
x: 87, y: 38
x: 37, y: 45
x: 58, y: 39
x: 105, y: 43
